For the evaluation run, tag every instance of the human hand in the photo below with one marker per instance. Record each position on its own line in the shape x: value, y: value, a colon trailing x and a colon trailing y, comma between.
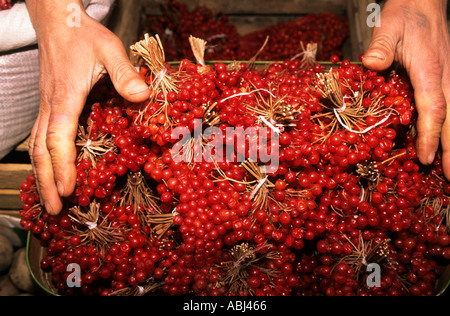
x: 415, y: 33
x: 72, y: 60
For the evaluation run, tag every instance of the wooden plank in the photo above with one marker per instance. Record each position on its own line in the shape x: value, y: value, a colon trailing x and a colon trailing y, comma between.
x: 9, y: 199
x: 23, y: 146
x: 354, y: 29
x: 365, y: 29
x: 258, y: 7
x: 12, y: 175
x: 10, y: 212
x: 13, y: 213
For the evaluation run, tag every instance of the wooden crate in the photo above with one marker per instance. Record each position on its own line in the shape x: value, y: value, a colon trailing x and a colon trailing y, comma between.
x: 13, y: 171
x: 360, y: 32
x: 252, y: 15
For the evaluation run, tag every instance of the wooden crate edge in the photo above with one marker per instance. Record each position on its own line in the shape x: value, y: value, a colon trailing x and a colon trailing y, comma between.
x: 12, y: 175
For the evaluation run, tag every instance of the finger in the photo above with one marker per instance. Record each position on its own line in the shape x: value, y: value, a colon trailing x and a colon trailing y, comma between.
x: 32, y: 141
x: 431, y: 106
x: 42, y: 164
x: 128, y: 83
x: 381, y: 52
x: 445, y: 137
x: 66, y: 109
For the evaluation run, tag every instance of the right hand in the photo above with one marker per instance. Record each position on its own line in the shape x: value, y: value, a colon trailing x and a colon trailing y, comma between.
x: 415, y: 33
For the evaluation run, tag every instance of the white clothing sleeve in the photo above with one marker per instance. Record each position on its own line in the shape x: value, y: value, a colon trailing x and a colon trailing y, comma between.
x: 16, y: 30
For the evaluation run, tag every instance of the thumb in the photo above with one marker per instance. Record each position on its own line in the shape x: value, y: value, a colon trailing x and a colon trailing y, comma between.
x: 381, y: 52
x: 127, y: 81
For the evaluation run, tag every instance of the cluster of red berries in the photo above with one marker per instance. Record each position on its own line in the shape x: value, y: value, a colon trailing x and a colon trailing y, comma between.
x: 328, y: 30
x: 177, y: 23
x: 347, y: 193
x: 5, y: 4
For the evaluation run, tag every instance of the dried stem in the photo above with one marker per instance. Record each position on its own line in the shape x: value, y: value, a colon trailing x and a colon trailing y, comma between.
x: 244, y: 257
x: 344, y: 110
x: 260, y: 192
x: 223, y: 176
x: 146, y: 205
x: 187, y: 153
x: 94, y: 230
x: 252, y: 60
x: 260, y: 188
x: 236, y: 65
x: 365, y: 253
x: 35, y: 210
x: 276, y: 111
x: 309, y: 54
x: 371, y: 171
x: 139, y: 290
x: 161, y: 223
x: 329, y: 86
x: 437, y: 205
x: 198, y: 46
x: 152, y: 52
x: 211, y: 117
x: 137, y: 194
x: 92, y: 148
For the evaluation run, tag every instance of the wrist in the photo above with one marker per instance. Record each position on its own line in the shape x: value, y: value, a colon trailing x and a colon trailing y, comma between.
x: 52, y: 15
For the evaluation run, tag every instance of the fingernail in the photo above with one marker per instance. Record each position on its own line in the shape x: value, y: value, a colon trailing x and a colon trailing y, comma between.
x: 48, y: 208
x: 430, y: 158
x: 60, y: 188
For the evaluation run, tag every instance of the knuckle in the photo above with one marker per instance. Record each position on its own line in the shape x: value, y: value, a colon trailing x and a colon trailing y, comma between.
x: 434, y: 116
x: 61, y: 147
x: 52, y: 141
x: 105, y: 36
x: 384, y: 42
x: 63, y: 89
x: 439, y: 113
x: 38, y: 154
x: 435, y: 107
x: 31, y: 147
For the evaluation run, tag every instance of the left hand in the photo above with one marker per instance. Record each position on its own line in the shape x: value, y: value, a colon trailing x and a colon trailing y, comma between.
x: 72, y: 60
